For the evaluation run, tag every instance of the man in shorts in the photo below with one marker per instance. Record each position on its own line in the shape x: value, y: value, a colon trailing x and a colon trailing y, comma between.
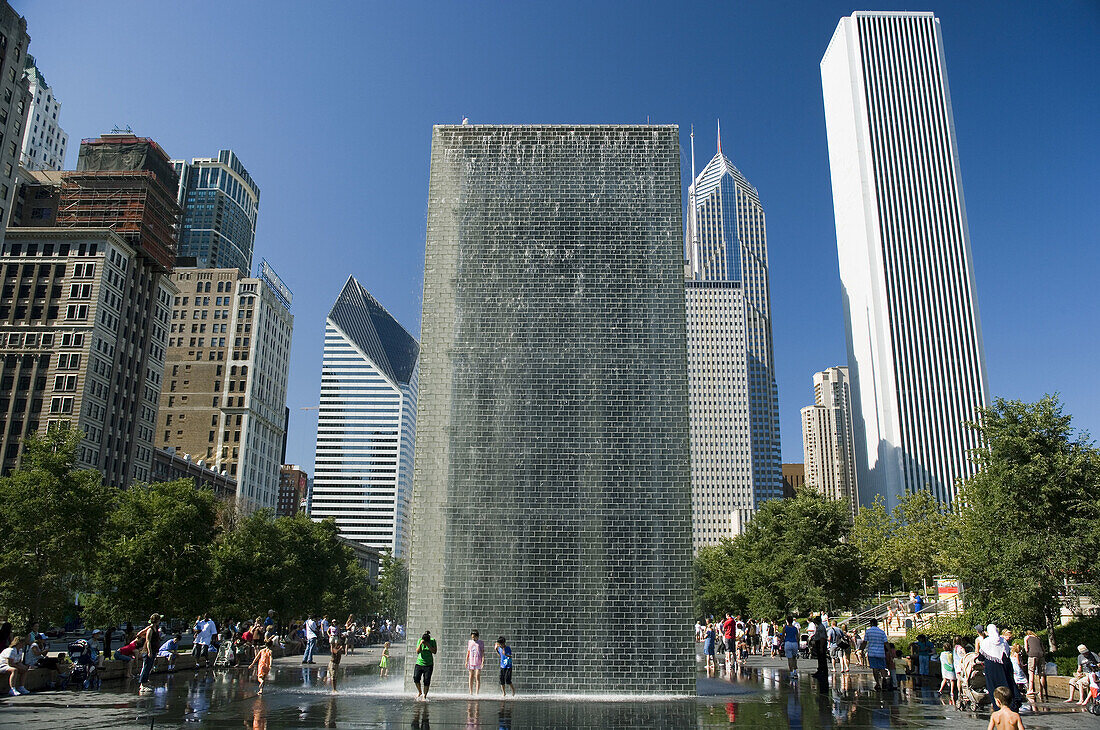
x: 425, y: 663
x: 875, y: 638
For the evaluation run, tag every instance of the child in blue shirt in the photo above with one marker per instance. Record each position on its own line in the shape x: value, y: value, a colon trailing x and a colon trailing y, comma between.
x: 505, y: 653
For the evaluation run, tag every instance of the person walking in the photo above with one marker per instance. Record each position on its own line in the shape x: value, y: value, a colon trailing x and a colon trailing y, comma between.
x: 505, y: 653
x: 1036, y: 668
x: 995, y: 661
x: 262, y: 662
x: 835, y: 635
x: 876, y: 652
x: 475, y: 659
x: 819, y: 640
x: 337, y: 646
x: 425, y: 664
x: 205, y: 630
x: 790, y: 644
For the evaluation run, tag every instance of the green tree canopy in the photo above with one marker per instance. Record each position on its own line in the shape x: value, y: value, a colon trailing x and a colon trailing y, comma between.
x: 51, y: 519
x: 906, y: 546
x: 1028, y: 519
x: 155, y: 554
x: 393, y: 587
x: 792, y: 556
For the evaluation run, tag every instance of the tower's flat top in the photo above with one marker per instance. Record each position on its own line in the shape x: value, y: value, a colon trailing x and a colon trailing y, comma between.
x: 556, y: 126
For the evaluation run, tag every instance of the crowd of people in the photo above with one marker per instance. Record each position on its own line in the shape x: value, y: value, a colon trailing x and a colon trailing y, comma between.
x: 1018, y: 664
x: 250, y: 643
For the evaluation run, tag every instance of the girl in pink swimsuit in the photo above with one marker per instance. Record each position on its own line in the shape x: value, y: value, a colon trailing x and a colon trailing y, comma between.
x: 475, y: 659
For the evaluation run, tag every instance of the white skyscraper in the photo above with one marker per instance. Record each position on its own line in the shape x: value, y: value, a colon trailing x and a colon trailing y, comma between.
x: 367, y: 422
x: 914, y: 338
x: 735, y: 461
x: 44, y: 141
x: 827, y: 438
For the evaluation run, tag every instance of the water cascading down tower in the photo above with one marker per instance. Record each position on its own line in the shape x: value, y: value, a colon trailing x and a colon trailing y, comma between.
x: 551, y: 487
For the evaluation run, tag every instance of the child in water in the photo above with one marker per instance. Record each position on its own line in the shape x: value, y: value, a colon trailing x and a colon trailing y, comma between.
x: 384, y: 662
x: 262, y: 662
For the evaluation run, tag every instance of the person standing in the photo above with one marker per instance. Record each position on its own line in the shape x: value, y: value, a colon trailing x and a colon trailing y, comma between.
x: 149, y: 638
x: 820, y: 642
x: 337, y: 648
x: 790, y: 644
x: 475, y: 659
x: 996, y: 664
x: 1036, y: 667
x: 311, y: 630
x: 708, y: 648
x: 835, y: 635
x: 384, y: 661
x: 425, y: 663
x: 205, y: 631
x: 728, y: 628
x: 505, y: 653
x: 876, y: 652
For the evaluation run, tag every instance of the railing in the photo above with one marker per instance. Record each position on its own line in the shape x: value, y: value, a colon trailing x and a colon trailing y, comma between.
x: 944, y: 606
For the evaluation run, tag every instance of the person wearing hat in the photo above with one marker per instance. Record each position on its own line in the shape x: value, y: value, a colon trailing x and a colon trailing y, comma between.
x: 425, y: 663
x: 149, y: 639
x: 1087, y: 663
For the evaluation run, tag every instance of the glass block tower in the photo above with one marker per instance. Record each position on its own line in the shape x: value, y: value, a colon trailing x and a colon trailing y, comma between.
x: 914, y: 335
x: 735, y: 457
x: 551, y: 489
x: 367, y: 422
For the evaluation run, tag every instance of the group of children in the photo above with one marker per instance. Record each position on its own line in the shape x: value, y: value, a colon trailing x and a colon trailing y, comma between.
x: 475, y: 660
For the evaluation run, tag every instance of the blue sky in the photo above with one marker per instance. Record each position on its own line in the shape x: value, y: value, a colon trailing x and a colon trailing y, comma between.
x: 330, y: 107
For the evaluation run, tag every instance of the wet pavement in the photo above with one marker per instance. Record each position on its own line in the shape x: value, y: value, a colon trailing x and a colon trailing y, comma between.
x: 761, y: 695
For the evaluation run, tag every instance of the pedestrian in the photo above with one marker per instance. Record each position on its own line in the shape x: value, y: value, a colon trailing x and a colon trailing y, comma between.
x: 384, y: 662
x: 834, y: 635
x: 350, y: 627
x: 1036, y: 667
x: 425, y: 661
x: 205, y: 631
x: 947, y: 670
x: 505, y: 653
x: 820, y: 642
x: 337, y: 649
x: 708, y: 648
x: 312, y: 631
x: 1005, y: 718
x: 475, y: 659
x: 995, y: 662
x: 875, y: 639
x: 925, y: 649
x: 262, y: 662
x: 149, y: 641
x: 790, y: 644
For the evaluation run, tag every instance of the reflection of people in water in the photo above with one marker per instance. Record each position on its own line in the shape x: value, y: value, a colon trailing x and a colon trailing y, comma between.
x: 731, y: 711
x: 330, y: 712
x: 420, y: 717
x: 259, y: 715
x: 473, y: 719
x: 504, y: 716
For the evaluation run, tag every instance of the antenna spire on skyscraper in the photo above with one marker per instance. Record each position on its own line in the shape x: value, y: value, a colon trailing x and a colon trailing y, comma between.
x: 719, y: 136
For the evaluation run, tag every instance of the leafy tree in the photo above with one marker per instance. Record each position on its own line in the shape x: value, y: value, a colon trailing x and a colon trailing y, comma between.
x: 793, y: 556
x: 905, y: 547
x: 393, y: 587
x: 51, y: 519
x: 156, y: 553
x: 1028, y: 519
x: 291, y: 565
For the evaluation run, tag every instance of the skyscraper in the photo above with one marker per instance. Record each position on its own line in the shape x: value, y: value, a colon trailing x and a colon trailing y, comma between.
x: 44, y: 141
x: 220, y: 202
x: 15, y: 99
x: 552, y: 477
x: 735, y: 458
x: 226, y: 375
x: 366, y: 424
x: 915, y: 351
x: 827, y: 438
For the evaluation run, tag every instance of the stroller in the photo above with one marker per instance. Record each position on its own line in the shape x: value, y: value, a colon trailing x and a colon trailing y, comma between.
x: 84, y: 673
x: 971, y: 677
x: 226, y: 656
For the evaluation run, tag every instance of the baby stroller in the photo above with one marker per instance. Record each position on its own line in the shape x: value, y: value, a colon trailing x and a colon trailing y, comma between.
x: 226, y: 656
x: 971, y: 677
x: 804, y: 646
x: 84, y: 673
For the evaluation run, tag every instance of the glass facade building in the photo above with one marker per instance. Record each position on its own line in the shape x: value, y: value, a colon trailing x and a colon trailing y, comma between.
x: 735, y: 456
x: 551, y: 490
x: 367, y: 423
x: 220, y: 202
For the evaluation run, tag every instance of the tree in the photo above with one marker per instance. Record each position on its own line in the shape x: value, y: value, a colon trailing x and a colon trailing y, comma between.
x: 906, y: 546
x: 792, y: 556
x: 393, y: 587
x: 291, y: 565
x: 51, y: 519
x: 1028, y: 519
x: 156, y: 553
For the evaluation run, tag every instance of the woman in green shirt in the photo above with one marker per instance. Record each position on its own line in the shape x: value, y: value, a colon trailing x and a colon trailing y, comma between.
x: 425, y: 648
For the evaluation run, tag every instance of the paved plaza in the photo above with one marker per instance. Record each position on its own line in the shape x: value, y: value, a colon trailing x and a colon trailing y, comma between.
x: 763, y: 695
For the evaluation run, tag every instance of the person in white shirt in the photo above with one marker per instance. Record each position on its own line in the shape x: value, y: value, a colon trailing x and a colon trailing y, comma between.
x: 312, y: 631
x: 205, y: 631
x: 11, y: 663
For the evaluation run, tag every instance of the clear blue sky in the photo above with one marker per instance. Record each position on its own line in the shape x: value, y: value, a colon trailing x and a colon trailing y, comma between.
x: 330, y: 107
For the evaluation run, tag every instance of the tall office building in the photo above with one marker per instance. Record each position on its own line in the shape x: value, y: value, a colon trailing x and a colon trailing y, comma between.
x: 552, y: 485
x: 827, y: 442
x: 44, y: 141
x: 293, y: 483
x: 15, y: 100
x: 915, y: 352
x: 92, y: 303
x: 220, y: 202
x: 366, y: 424
x: 735, y: 457
x: 226, y: 376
